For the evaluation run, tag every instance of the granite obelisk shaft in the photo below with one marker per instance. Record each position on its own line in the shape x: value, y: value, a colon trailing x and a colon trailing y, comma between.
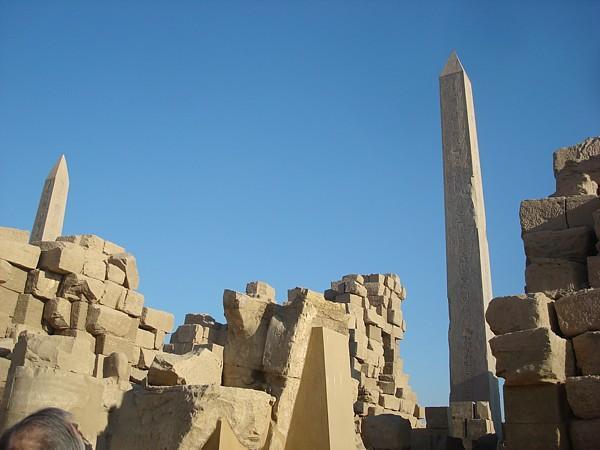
x: 53, y: 203
x: 472, y: 366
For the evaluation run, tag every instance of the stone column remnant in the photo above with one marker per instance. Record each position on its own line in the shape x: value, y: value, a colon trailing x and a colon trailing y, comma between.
x: 53, y: 202
x: 467, y: 259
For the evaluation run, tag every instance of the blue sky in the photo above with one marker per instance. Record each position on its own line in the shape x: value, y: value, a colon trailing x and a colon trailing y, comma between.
x: 293, y: 142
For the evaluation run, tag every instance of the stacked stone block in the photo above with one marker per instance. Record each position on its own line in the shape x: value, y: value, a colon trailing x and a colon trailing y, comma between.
x: 376, y: 327
x: 546, y: 342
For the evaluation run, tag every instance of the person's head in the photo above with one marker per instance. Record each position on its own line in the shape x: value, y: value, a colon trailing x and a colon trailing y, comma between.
x: 47, y: 429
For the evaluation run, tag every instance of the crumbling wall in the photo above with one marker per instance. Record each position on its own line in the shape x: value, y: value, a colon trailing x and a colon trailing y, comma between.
x: 548, y: 340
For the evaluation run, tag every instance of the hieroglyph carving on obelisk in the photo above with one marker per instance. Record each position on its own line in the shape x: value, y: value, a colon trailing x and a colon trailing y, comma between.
x: 53, y: 203
x: 472, y: 366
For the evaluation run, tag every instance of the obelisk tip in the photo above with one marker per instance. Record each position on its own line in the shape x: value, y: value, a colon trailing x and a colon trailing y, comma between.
x: 61, y: 165
x: 452, y: 66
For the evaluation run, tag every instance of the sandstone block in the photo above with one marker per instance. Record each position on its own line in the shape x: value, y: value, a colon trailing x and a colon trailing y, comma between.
x: 14, y: 234
x: 116, y: 365
x: 585, y: 434
x: 131, y: 303
x: 580, y: 209
x: 83, y: 336
x: 573, y: 244
x: 144, y: 339
x: 436, y: 417
x: 520, y: 312
x: 146, y: 358
x: 107, y: 344
x: 530, y: 357
x: 536, y: 403
x: 194, y: 412
x: 29, y: 311
x: 88, y: 241
x: 153, y: 319
x: 389, y: 402
x: 110, y: 248
x: 159, y: 339
x: 43, y: 284
x: 260, y: 289
x: 386, y: 431
x: 8, y: 301
x: 375, y: 288
x: 17, y: 280
x: 62, y: 257
x: 593, y: 268
x: 200, y: 367
x: 113, y: 295
x: 5, y: 271
x: 57, y: 313
x: 579, y: 312
x: 587, y: 352
x: 536, y: 436
x: 79, y: 310
x: 115, y: 274
x: 19, y: 253
x: 79, y: 287
x: 544, y: 214
x: 547, y: 275
x: 583, y: 394
x: 352, y: 287
x: 394, y: 316
x: 329, y: 314
x: 188, y: 333
x: 127, y: 263
x: 104, y: 320
x: 55, y: 352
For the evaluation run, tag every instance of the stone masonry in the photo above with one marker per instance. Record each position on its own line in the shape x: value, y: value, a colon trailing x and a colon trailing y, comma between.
x: 547, y: 342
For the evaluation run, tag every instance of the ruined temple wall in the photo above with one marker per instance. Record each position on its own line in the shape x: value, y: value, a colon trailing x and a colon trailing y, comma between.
x: 548, y: 340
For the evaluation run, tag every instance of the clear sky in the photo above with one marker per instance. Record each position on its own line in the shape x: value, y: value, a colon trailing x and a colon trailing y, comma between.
x: 289, y: 141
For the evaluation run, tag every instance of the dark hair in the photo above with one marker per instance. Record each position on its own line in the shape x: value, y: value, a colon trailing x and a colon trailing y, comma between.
x: 47, y: 429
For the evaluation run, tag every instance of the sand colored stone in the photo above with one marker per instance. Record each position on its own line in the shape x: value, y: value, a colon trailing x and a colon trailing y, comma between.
x: 322, y: 417
x: 223, y: 438
x: 53, y: 203
x: 467, y: 257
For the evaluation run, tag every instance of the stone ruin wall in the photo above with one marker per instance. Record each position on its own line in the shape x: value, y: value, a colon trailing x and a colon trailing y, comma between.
x: 547, y: 341
x: 75, y: 333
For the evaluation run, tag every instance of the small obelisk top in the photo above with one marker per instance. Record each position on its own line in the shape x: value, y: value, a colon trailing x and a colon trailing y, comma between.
x: 53, y: 203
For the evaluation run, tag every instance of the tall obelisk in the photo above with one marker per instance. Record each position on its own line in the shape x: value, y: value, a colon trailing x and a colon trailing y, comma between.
x: 472, y: 366
x: 53, y: 203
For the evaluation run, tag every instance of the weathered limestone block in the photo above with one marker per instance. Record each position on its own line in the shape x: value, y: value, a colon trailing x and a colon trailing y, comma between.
x: 14, y: 234
x: 94, y: 268
x: 530, y: 357
x: 79, y: 287
x: 248, y: 321
x: 79, y: 310
x: 115, y: 274
x: 57, y: 313
x: 536, y: 436
x: 287, y: 338
x: 386, y: 431
x: 579, y: 312
x: 520, y: 312
x: 17, y: 280
x: 329, y: 314
x: 42, y: 283
x: 587, y: 352
x: 547, y: 275
x: 593, y: 271
x: 575, y: 183
x: 127, y: 263
x: 199, y: 367
x: 132, y: 303
x: 144, y: 339
x: 110, y: 248
x: 61, y: 257
x: 19, y: 253
x: 34, y: 388
x: 54, y: 352
x: 585, y: 434
x: 188, y: 332
x: 88, y: 241
x: 8, y: 301
x: 116, y: 365
x: 583, y: 394
x: 437, y: 417
x: 577, y: 155
x: 103, y: 320
x: 113, y: 295
x: 573, y: 244
x: 536, y: 403
x: 154, y: 319
x: 390, y: 402
x: 29, y: 311
x: 580, y: 209
x: 543, y: 215
x: 193, y: 413
x: 146, y: 358
x: 107, y: 344
x: 159, y: 339
x: 5, y: 271
x: 260, y: 289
